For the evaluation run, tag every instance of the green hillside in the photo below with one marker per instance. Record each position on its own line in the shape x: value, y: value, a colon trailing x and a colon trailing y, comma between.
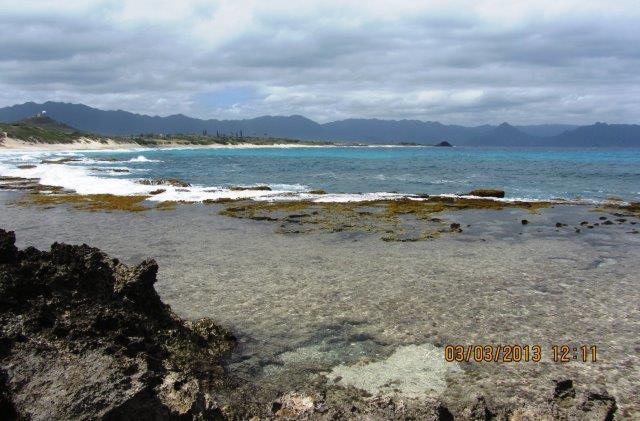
x: 41, y: 129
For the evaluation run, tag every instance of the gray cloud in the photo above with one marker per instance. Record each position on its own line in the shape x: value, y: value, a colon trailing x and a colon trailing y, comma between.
x: 469, y: 62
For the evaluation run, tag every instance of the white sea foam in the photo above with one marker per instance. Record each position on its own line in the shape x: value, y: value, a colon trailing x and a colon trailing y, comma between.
x: 289, y: 187
x: 76, y: 178
x: 113, y: 170
x: 142, y: 158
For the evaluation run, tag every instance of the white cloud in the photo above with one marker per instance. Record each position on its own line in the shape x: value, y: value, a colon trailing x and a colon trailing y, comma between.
x: 469, y: 62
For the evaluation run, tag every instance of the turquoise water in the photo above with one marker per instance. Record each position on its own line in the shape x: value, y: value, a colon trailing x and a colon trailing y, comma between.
x: 531, y: 173
x: 528, y: 173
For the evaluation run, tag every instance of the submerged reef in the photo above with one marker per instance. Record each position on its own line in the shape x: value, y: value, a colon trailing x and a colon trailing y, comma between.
x: 82, y: 336
x: 90, y: 202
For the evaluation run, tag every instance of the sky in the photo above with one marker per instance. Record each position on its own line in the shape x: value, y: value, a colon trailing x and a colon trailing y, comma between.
x: 455, y: 61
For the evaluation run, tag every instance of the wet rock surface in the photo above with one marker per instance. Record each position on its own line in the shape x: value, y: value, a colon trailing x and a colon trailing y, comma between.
x: 164, y: 182
x: 85, y: 337
x: 486, y: 193
x: 346, y: 404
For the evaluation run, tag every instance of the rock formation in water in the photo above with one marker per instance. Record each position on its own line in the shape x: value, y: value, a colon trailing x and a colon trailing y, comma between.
x: 444, y: 144
x: 486, y: 193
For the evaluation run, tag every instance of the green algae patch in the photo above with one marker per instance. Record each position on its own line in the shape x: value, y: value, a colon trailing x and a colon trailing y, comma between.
x: 220, y: 200
x: 256, y: 209
x: 631, y: 209
x: 91, y: 202
x: 399, y: 220
x: 167, y: 205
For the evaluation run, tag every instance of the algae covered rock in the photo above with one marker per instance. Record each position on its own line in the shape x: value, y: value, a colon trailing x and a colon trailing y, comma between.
x: 174, y: 182
x: 486, y: 193
x: 83, y: 336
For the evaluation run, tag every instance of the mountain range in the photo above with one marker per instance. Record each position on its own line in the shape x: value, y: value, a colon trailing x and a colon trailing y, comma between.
x: 373, y: 131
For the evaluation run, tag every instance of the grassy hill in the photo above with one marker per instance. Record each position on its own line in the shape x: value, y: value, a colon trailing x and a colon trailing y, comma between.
x: 41, y: 129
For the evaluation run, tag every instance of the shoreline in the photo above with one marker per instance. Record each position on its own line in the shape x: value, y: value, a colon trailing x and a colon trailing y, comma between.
x: 107, y: 144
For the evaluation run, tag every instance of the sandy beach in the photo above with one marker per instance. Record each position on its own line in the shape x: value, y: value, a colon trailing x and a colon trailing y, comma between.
x: 89, y: 144
x: 10, y: 144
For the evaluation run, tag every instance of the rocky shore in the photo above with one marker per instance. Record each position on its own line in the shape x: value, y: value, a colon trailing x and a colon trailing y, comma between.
x: 83, y: 336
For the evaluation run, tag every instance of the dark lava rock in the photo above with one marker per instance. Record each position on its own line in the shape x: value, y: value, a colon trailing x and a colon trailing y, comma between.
x: 164, y: 182
x: 600, y: 406
x: 607, y: 222
x: 584, y: 223
x: 26, y: 166
x: 83, y: 336
x: 455, y: 226
x: 564, y: 389
x: 560, y: 224
x: 524, y: 222
x: 603, y: 218
x: 486, y: 193
x: 444, y: 144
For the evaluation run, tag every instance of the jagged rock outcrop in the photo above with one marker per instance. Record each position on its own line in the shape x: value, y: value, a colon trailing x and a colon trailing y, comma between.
x: 83, y: 336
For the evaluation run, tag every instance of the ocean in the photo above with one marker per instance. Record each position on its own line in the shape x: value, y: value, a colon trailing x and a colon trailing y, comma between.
x: 347, y: 173
x: 346, y: 308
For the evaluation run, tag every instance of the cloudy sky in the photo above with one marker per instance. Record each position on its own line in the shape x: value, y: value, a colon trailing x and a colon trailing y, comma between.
x: 455, y: 61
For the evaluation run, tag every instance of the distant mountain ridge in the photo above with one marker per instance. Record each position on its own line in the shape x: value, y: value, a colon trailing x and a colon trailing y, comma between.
x: 372, y: 131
